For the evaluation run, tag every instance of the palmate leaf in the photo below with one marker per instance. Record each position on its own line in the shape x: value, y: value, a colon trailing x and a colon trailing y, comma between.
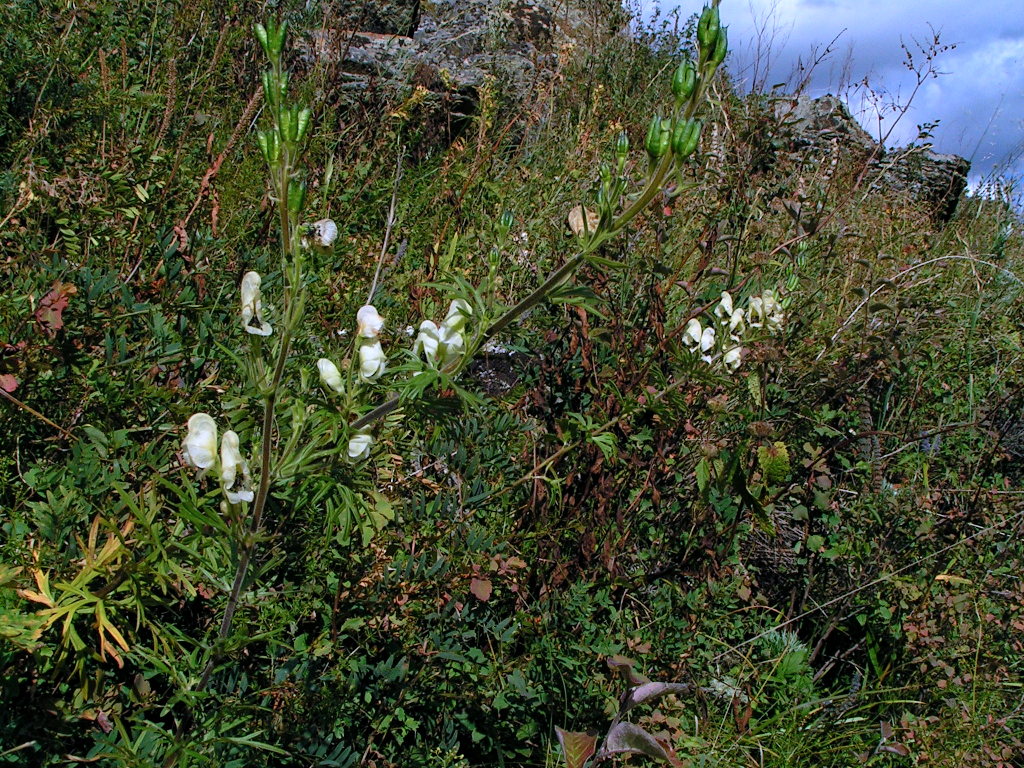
x: 577, y: 747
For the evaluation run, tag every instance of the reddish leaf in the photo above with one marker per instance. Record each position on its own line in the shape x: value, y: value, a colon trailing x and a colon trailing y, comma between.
x: 50, y: 312
x: 576, y: 747
x: 481, y: 589
x: 7, y: 382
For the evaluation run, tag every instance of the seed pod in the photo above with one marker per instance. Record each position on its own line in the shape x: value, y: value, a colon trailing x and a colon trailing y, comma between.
x: 708, y: 26
x: 264, y: 142
x: 296, y: 196
x: 721, y: 46
x: 684, y: 80
x: 653, y: 137
x: 261, y: 34
x: 269, y: 92
x: 277, y: 42
x: 685, y: 138
x: 285, y: 124
x: 302, y: 123
x: 664, y: 137
x: 622, y: 147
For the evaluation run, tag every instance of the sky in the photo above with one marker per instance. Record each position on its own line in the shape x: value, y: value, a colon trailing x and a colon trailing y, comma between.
x: 977, y: 97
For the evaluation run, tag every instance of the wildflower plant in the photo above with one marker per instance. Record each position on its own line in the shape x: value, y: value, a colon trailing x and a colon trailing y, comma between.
x: 305, y: 430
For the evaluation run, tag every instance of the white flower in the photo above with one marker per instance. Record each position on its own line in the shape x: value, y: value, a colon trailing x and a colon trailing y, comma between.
x: 732, y: 359
x: 427, y: 341
x: 707, y: 339
x: 200, y: 447
x: 707, y: 343
x: 368, y: 322
x: 724, y: 309
x: 755, y: 312
x: 359, y: 446
x: 330, y: 375
x: 371, y: 359
x: 736, y: 323
x: 765, y: 310
x: 692, y: 334
x: 252, y: 306
x: 231, y: 465
x: 325, y: 232
x: 458, y: 313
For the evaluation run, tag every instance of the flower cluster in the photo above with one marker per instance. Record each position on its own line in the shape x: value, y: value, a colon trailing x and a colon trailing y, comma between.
x: 200, y: 451
x: 764, y: 311
x: 444, y: 344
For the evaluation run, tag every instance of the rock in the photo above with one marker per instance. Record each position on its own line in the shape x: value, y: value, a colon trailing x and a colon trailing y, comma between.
x: 814, y: 130
x: 449, y: 47
x: 817, y: 125
x: 930, y: 180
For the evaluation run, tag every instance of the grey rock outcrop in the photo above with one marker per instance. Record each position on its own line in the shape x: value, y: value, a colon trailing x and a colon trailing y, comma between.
x: 815, y: 129
x: 448, y: 47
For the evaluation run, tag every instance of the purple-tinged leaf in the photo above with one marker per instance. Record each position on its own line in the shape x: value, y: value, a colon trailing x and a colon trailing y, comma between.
x: 577, y: 747
x: 626, y: 737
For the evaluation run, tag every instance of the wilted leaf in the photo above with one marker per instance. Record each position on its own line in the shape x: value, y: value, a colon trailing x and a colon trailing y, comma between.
x: 576, y: 221
x: 896, y: 749
x: 624, y: 667
x: 626, y: 737
x: 50, y: 312
x: 649, y: 691
x: 481, y: 589
x: 577, y: 747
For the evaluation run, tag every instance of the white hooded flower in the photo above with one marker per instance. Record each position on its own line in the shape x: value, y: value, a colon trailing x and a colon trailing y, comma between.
x: 234, y: 470
x: 724, y: 309
x: 359, y: 446
x: 765, y: 310
x: 200, y: 447
x: 325, y: 232
x: 755, y: 312
x: 732, y: 359
x: 330, y: 375
x: 368, y: 322
x: 707, y: 343
x: 459, y: 312
x: 371, y: 359
x: 252, y: 306
x: 692, y: 334
x: 707, y: 339
x: 427, y: 341
x: 736, y: 324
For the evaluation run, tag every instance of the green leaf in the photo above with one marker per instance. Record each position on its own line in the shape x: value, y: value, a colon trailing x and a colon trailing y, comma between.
x: 703, y: 473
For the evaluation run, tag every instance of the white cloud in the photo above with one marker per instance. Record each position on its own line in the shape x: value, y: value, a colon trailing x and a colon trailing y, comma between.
x: 978, y: 101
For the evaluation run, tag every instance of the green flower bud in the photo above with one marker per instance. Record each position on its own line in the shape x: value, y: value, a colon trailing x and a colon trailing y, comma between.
x: 684, y: 80
x: 505, y: 222
x: 685, y: 138
x: 664, y: 136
